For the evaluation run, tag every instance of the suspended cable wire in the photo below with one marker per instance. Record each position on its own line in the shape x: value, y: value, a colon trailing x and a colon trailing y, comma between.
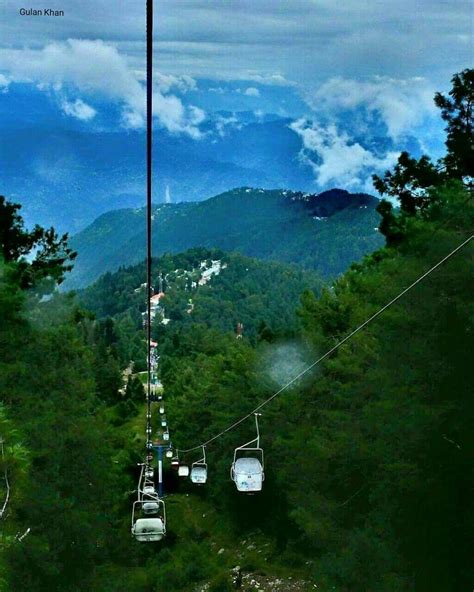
x: 149, y: 160
x: 330, y: 351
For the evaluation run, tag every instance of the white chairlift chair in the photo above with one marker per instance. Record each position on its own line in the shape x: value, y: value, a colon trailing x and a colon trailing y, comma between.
x: 148, y: 530
x: 199, y: 470
x: 183, y: 471
x: 144, y: 528
x: 247, y: 470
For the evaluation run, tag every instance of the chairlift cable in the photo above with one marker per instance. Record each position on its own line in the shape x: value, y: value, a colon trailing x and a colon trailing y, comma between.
x: 149, y: 161
x: 332, y: 350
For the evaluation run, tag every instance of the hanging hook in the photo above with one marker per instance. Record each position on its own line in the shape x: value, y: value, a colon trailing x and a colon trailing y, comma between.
x: 257, y: 427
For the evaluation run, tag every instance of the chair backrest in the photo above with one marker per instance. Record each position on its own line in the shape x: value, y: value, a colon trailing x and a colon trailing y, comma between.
x: 183, y: 470
x: 199, y: 473
x: 243, y: 452
x: 248, y: 466
x: 149, y: 529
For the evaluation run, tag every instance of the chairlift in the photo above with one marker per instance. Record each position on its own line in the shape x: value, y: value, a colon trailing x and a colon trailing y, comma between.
x: 149, y: 490
x: 148, y: 530
x: 247, y: 470
x: 199, y: 470
x: 183, y: 471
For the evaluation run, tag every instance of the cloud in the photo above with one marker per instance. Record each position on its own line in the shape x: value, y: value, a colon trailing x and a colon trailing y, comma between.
x: 222, y: 124
x: 4, y: 83
x: 97, y: 69
x: 402, y: 104
x: 244, y: 40
x: 79, y: 110
x: 335, y: 158
x: 166, y: 82
x: 251, y: 91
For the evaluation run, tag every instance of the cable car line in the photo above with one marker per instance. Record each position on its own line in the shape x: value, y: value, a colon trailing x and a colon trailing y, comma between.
x: 149, y: 160
x: 330, y: 351
x: 148, y: 510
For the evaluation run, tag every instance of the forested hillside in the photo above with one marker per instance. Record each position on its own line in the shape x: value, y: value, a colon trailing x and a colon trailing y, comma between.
x: 324, y: 232
x: 368, y: 457
x: 260, y: 296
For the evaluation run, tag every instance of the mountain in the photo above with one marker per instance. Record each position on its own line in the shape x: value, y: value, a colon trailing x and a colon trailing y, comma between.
x: 67, y: 172
x: 325, y: 232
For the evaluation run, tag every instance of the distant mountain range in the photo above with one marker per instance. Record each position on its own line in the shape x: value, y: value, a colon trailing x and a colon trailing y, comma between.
x: 66, y: 172
x: 325, y: 232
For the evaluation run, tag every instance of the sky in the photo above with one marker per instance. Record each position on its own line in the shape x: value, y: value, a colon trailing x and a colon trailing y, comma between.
x: 340, y: 70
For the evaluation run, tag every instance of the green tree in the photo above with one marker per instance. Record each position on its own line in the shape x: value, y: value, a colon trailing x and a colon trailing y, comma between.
x: 52, y: 256
x: 456, y: 111
x: 412, y: 180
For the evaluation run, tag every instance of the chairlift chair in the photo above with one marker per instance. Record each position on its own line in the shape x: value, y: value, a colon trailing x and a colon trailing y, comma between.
x: 199, y: 470
x: 149, y: 497
x: 147, y: 530
x: 183, y: 471
x: 163, y: 422
x: 166, y: 435
x: 169, y: 453
x: 162, y: 409
x: 149, y: 490
x: 247, y: 470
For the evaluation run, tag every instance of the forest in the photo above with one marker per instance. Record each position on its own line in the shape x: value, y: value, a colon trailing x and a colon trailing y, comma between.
x: 368, y: 457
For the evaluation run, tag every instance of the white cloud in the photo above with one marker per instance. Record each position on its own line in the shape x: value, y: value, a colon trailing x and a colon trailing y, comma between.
x: 97, y: 68
x: 335, y: 158
x: 223, y: 123
x: 402, y: 104
x: 79, y: 110
x: 266, y: 79
x: 251, y: 91
x: 167, y: 82
x: 4, y: 83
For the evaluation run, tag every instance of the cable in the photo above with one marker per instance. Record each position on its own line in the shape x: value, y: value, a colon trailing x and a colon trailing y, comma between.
x: 332, y: 350
x: 149, y: 160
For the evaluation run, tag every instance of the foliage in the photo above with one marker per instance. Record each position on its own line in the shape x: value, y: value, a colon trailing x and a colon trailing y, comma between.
x: 52, y: 256
x: 456, y: 111
x: 412, y: 180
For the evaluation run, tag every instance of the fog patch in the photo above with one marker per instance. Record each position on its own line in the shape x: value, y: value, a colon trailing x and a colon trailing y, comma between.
x: 282, y: 363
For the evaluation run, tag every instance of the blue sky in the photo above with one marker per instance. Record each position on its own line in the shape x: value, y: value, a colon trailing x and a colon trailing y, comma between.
x: 347, y: 72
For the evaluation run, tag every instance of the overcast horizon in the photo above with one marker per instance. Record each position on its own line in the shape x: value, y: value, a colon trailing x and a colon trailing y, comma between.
x: 356, y: 80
